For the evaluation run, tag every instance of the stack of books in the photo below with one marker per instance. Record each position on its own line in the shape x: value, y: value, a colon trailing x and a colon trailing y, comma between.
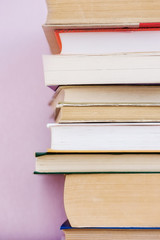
x: 105, y: 135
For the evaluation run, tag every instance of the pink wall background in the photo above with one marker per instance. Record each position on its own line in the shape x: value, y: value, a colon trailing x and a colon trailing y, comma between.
x: 31, y: 206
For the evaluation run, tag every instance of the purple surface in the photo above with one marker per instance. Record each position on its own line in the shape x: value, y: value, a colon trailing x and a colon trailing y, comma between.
x: 31, y: 206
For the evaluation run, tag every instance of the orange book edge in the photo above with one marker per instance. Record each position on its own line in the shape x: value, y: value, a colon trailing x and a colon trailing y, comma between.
x: 52, y: 32
x: 102, y: 151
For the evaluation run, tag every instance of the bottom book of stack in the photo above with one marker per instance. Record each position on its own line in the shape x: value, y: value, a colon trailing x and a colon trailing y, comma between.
x: 72, y: 233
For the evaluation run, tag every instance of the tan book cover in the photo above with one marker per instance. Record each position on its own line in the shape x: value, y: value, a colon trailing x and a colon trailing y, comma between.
x: 98, y: 15
x: 69, y: 113
x: 112, y: 200
x: 62, y: 12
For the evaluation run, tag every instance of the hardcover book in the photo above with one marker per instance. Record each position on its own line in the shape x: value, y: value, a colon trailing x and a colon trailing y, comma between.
x: 113, y: 200
x: 98, y: 15
x: 96, y: 162
x: 72, y: 233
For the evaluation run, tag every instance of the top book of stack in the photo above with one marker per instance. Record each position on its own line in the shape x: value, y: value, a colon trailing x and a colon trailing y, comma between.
x: 95, y: 14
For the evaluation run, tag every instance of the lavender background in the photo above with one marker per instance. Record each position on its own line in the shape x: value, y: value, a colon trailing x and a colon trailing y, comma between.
x: 31, y: 206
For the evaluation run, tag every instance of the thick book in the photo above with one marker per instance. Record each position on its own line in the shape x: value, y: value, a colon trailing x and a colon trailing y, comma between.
x: 124, y: 68
x: 101, y: 12
x: 105, y: 137
x: 72, y: 233
x: 112, y: 200
x: 70, y: 162
x: 96, y: 15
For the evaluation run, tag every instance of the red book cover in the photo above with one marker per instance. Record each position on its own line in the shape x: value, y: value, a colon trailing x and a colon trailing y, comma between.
x: 140, y: 27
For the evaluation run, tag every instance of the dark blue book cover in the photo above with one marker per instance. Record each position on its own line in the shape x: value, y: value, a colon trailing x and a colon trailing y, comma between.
x: 66, y: 225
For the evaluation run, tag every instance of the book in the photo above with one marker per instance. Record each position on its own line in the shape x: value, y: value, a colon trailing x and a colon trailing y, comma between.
x: 109, y: 41
x: 70, y: 162
x: 92, y: 14
x: 105, y: 137
x: 112, y: 200
x: 121, y: 68
x: 70, y: 113
x: 72, y: 233
x: 101, y: 12
x: 106, y: 94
